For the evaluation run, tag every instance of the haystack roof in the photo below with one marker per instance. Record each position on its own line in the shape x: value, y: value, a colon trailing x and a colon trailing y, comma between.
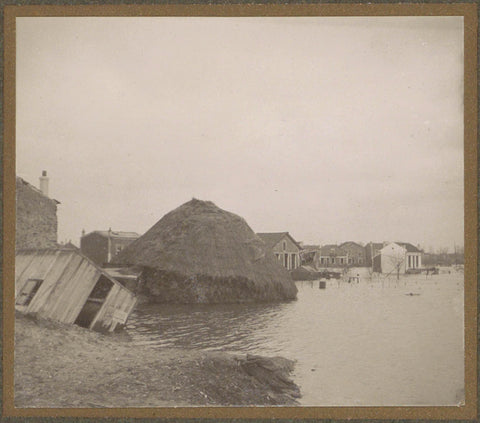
x: 199, y: 238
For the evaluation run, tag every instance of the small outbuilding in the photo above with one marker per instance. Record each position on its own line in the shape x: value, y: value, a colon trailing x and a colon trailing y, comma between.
x: 66, y: 286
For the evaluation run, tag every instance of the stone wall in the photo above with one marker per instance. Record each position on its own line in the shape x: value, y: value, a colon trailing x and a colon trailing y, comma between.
x: 36, y: 218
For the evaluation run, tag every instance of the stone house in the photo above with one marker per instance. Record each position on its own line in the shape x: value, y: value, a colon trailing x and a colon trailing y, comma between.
x: 36, y: 215
x: 286, y: 249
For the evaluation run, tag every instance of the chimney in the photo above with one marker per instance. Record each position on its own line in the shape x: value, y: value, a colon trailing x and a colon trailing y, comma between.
x: 44, y: 183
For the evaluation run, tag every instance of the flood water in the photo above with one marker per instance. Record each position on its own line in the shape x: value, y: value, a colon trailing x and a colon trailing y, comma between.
x: 354, y: 344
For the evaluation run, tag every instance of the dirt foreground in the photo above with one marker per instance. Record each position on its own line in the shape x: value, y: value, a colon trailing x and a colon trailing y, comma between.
x: 59, y: 365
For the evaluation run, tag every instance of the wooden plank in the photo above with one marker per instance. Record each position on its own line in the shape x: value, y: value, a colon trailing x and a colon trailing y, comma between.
x: 54, y: 308
x: 78, y: 291
x: 120, y: 302
x: 36, y: 269
x: 50, y: 279
x: 54, y: 281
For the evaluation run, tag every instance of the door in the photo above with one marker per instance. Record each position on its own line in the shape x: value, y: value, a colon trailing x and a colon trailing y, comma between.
x: 94, y: 302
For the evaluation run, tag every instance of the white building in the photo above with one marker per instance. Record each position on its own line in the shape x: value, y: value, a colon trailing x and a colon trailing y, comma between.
x: 400, y: 257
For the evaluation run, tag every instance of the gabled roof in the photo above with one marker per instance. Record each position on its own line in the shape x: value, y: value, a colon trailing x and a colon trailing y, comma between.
x: 375, y: 245
x: 116, y: 234
x: 409, y: 247
x: 273, y: 238
x: 308, y: 248
x: 343, y: 244
x: 331, y: 249
x: 20, y: 180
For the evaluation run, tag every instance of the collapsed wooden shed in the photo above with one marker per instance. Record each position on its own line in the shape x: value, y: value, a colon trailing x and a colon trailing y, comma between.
x: 66, y: 286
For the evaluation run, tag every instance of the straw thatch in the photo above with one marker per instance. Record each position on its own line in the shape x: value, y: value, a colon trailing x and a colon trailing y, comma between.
x: 201, y: 253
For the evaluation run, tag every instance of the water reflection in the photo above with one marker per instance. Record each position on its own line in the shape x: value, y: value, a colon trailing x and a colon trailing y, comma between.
x: 370, y: 343
x: 232, y: 327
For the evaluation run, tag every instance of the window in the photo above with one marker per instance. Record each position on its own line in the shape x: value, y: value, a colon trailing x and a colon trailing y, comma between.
x: 284, y: 245
x: 322, y: 260
x: 294, y: 261
x: 341, y: 261
x: 285, y: 260
x: 333, y: 260
x: 28, y: 291
x: 350, y: 261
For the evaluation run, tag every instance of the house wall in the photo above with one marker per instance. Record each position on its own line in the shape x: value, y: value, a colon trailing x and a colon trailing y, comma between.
x: 95, y: 247
x: 118, y: 244
x: 36, y: 218
x: 331, y: 260
x: 287, y: 253
x: 393, y: 255
x: 372, y: 257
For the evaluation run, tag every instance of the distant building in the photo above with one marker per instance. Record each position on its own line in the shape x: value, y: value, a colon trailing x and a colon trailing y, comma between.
x: 400, y: 257
x: 355, y: 253
x: 285, y: 248
x: 372, y: 255
x: 308, y: 253
x: 331, y: 255
x: 102, y: 246
x: 36, y: 215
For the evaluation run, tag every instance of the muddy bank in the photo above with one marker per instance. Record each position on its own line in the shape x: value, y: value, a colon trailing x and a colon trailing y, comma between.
x: 60, y: 365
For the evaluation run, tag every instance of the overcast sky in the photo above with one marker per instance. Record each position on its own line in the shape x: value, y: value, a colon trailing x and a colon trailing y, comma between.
x: 333, y: 129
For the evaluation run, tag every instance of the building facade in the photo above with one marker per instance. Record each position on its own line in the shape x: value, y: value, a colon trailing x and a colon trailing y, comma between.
x: 102, y: 246
x: 372, y: 255
x: 286, y: 249
x: 355, y: 253
x: 331, y: 255
x: 400, y: 257
x: 36, y: 215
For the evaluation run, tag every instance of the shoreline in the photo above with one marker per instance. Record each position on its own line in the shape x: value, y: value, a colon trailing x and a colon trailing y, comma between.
x: 59, y: 365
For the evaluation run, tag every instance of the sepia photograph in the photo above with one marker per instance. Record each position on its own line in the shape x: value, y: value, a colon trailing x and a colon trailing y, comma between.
x: 223, y: 211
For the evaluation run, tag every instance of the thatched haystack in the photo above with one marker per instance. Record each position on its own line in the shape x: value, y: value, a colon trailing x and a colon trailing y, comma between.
x: 199, y: 253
